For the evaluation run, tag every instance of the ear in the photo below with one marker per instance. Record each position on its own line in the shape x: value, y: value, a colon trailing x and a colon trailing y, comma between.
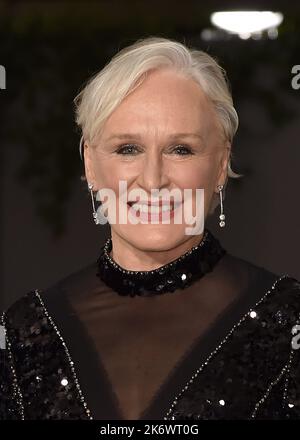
x: 89, y: 163
x: 224, y: 161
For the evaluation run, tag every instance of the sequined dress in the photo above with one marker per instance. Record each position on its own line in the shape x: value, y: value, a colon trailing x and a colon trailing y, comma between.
x: 210, y: 336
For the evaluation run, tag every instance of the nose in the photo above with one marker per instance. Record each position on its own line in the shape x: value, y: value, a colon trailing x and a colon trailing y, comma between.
x: 153, y: 172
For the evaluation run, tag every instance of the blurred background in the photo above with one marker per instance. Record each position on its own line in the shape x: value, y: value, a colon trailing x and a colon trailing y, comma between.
x: 49, y: 49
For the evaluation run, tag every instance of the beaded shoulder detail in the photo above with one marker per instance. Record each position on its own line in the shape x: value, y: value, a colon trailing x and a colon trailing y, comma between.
x: 11, y: 403
x: 257, y: 356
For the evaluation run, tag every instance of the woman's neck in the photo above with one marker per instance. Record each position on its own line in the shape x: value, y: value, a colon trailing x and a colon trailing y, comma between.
x: 129, y: 257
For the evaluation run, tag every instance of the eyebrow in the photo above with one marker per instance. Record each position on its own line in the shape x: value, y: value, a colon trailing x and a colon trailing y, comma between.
x: 138, y: 136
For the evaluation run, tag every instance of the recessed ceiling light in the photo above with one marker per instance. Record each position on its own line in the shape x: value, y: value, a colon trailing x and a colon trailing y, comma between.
x: 246, y: 22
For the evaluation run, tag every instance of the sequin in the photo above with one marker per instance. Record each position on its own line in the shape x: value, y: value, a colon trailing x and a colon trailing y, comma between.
x: 37, y: 351
x: 264, y: 370
x: 253, y: 372
x: 177, y: 274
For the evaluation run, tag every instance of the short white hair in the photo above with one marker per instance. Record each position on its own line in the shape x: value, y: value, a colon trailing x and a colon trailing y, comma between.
x: 104, y: 91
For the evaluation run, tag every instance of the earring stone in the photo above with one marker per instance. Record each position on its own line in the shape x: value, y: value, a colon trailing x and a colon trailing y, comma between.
x: 95, y: 215
x: 222, y: 215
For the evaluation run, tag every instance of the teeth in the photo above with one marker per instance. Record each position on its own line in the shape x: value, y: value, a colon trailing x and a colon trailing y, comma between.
x: 151, y: 209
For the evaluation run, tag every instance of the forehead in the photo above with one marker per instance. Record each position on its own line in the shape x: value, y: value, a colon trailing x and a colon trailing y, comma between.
x: 165, y: 100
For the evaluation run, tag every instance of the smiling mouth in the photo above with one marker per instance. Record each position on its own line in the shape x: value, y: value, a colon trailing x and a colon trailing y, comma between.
x: 149, y: 208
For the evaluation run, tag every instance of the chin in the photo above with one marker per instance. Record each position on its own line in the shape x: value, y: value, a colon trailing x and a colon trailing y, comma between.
x: 153, y: 237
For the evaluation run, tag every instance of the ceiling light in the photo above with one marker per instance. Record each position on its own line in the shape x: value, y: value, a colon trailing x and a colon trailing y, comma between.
x: 246, y: 23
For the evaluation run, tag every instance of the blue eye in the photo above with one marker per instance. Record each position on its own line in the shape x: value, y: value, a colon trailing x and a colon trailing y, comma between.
x: 126, y: 149
x: 184, y: 150
x: 131, y: 149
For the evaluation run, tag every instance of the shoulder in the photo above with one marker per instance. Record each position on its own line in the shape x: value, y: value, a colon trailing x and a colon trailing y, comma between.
x: 281, y: 290
x: 24, y: 314
x: 255, y: 272
x: 273, y: 292
x: 23, y: 319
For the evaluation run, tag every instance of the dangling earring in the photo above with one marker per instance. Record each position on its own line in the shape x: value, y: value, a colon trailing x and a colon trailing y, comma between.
x: 222, y: 215
x: 95, y: 216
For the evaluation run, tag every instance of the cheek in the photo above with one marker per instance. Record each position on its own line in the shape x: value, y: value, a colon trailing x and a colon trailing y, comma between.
x: 109, y: 173
x: 200, y: 174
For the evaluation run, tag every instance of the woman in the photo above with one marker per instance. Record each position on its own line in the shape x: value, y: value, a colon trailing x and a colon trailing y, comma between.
x: 165, y: 324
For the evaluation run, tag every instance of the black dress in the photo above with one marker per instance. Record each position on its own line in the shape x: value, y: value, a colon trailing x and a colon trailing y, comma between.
x: 207, y: 336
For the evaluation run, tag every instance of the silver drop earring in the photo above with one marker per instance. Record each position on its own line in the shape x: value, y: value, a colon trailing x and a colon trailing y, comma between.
x: 222, y: 215
x: 95, y: 216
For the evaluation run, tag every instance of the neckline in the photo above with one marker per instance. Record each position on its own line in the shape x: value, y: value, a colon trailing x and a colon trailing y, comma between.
x: 92, y: 375
x: 177, y: 274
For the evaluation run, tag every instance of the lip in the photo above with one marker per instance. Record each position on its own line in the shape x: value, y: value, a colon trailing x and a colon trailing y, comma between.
x: 154, y: 217
x: 160, y: 203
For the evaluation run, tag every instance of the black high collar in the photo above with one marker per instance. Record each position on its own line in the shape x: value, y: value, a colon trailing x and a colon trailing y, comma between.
x: 178, y: 274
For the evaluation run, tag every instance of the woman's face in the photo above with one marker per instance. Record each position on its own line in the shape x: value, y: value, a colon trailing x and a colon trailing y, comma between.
x: 164, y: 136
